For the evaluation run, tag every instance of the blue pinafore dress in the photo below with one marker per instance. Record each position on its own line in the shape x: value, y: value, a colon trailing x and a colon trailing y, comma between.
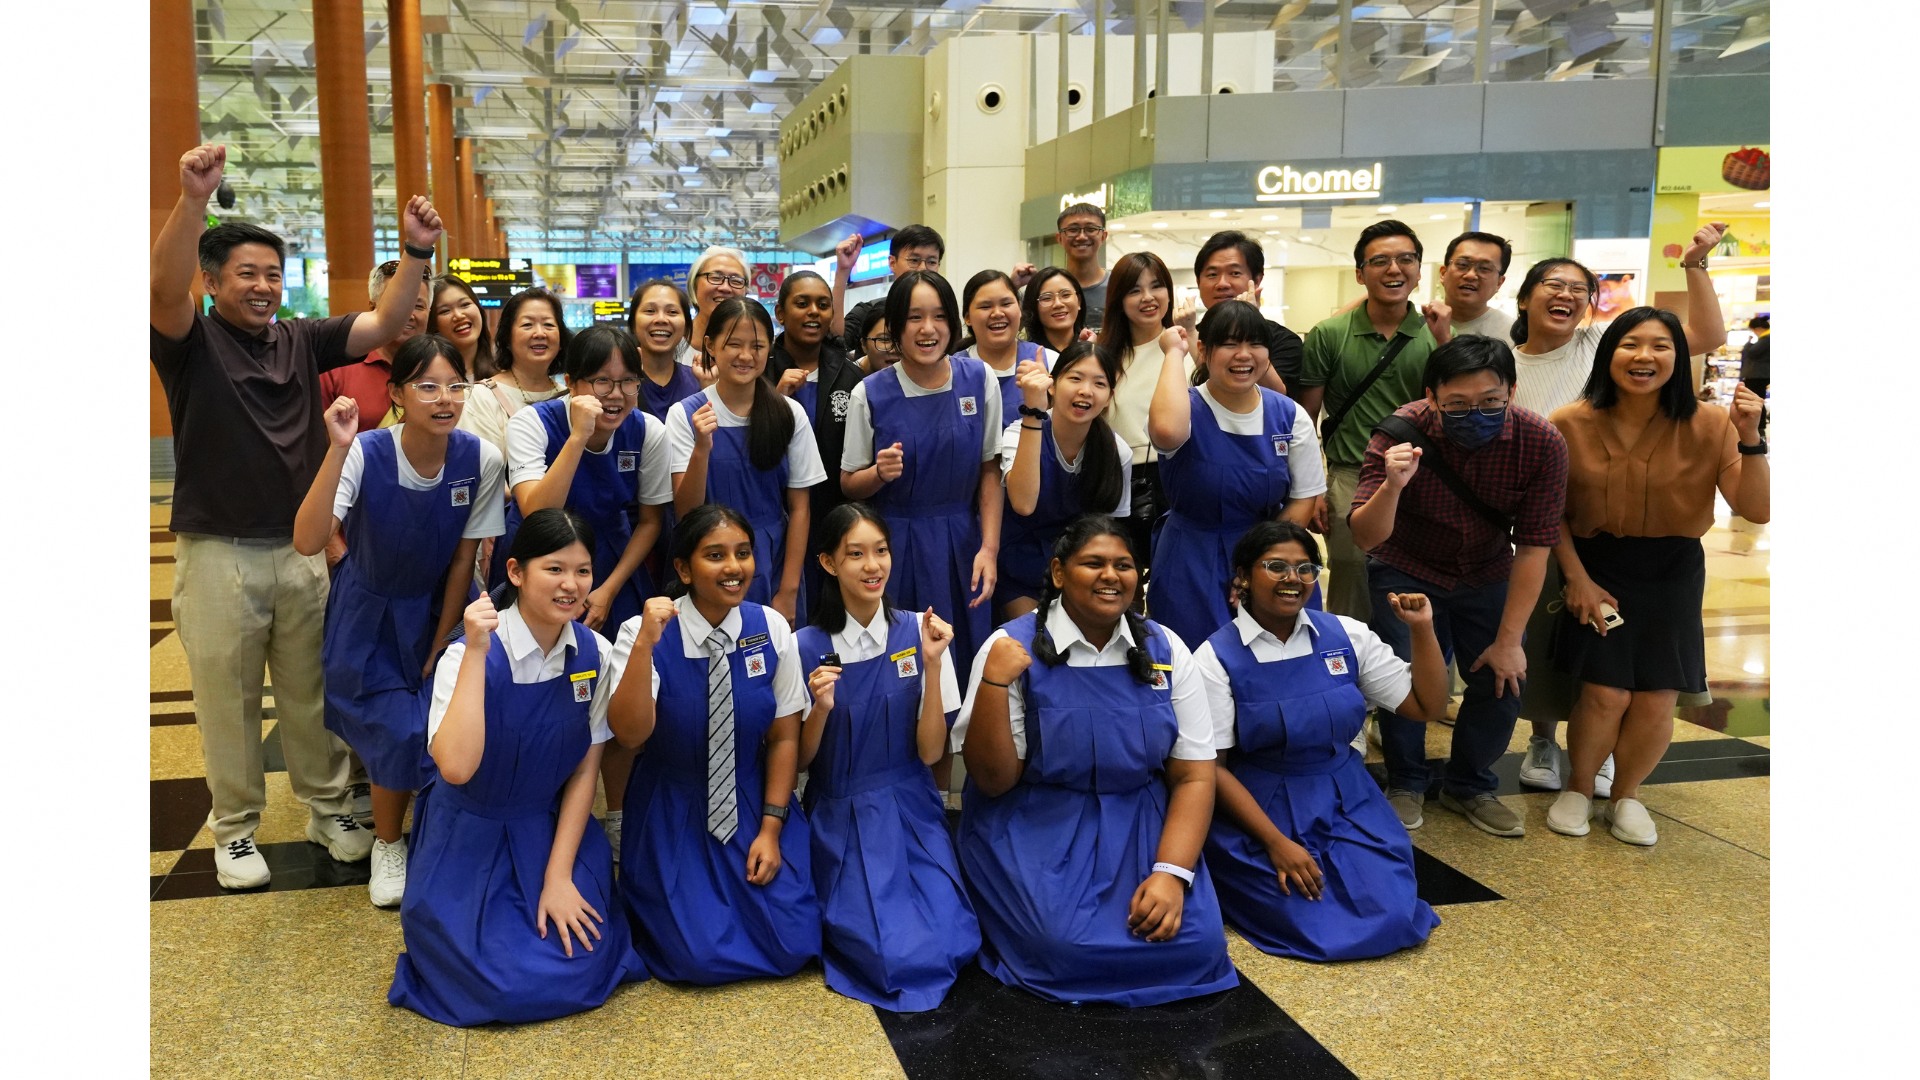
x: 1026, y: 540
x: 1218, y: 486
x: 479, y: 863
x: 605, y: 491
x: 1052, y: 865
x: 933, y: 507
x: 897, y: 927
x: 655, y: 399
x: 1295, y: 723
x: 1010, y: 397
x: 385, y: 603
x: 695, y: 916
x: 761, y: 495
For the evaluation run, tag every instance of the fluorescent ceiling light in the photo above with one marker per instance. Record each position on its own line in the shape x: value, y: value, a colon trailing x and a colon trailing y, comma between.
x: 1218, y: 213
x: 1270, y: 217
x: 719, y: 132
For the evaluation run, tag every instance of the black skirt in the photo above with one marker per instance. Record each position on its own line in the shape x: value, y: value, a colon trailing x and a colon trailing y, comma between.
x: 1660, y: 582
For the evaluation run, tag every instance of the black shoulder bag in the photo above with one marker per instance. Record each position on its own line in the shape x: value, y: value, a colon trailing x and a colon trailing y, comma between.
x: 1402, y: 430
x: 1386, y: 361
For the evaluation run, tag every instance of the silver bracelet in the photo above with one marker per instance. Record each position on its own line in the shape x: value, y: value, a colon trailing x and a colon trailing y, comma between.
x: 1180, y: 872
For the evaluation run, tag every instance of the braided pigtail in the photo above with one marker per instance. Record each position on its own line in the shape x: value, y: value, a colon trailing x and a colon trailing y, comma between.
x: 1139, y: 661
x: 1042, y: 647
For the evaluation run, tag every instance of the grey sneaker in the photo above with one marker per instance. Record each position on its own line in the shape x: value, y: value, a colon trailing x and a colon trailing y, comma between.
x: 1407, y: 806
x: 1487, y: 813
x: 1541, y: 767
x: 362, y: 804
x: 611, y: 825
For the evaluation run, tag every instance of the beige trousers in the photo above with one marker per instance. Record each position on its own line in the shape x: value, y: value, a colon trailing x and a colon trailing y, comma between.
x: 1345, y: 592
x: 242, y: 607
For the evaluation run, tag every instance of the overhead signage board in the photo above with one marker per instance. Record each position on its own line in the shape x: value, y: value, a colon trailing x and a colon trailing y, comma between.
x: 1282, y: 183
x: 609, y: 311
x: 493, y: 280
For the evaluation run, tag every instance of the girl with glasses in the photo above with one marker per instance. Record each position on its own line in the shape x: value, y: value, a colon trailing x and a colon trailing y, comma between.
x: 1308, y: 857
x: 719, y: 274
x: 414, y: 502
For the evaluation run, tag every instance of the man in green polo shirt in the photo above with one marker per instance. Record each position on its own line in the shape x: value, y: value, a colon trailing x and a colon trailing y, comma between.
x: 1339, y: 355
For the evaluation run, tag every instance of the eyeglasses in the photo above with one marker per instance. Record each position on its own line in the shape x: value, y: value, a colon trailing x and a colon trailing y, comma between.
x: 1060, y: 297
x: 1083, y: 230
x: 880, y: 343
x: 432, y: 391
x: 1468, y: 266
x: 1485, y: 408
x: 1555, y: 287
x: 1307, y: 572
x: 604, y: 387
x: 1406, y: 260
x: 716, y: 277
x: 916, y: 262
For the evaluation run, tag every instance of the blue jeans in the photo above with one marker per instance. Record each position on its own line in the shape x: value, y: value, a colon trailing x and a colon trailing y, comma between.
x: 1466, y: 621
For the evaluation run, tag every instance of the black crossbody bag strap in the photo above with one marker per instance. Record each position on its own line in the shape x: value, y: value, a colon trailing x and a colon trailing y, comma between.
x: 1400, y: 429
x: 1386, y: 361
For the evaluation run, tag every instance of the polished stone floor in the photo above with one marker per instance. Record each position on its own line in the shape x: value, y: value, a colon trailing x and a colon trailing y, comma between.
x: 1556, y: 957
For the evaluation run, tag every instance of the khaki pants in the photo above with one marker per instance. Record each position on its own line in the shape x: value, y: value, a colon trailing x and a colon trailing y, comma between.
x: 242, y: 606
x: 1345, y: 592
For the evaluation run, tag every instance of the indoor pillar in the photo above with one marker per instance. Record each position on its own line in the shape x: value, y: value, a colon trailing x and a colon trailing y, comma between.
x: 346, y: 151
x: 440, y: 143
x: 174, y: 122
x: 463, y: 199
x: 409, y: 101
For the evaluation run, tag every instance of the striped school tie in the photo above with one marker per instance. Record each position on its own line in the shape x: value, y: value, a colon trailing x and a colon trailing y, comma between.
x: 723, y: 809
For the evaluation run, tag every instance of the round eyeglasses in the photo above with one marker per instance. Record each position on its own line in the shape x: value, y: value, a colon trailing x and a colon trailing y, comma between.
x: 431, y: 392
x: 1306, y: 572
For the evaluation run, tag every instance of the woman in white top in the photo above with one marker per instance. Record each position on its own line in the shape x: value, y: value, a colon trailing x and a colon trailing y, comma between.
x: 719, y: 274
x: 530, y: 354
x: 1139, y: 308
x: 1553, y: 358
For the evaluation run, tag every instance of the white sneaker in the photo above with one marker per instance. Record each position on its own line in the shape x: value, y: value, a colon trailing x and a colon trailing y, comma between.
x: 611, y: 823
x: 1569, y: 813
x: 1631, y: 823
x: 342, y: 836
x: 1541, y: 769
x: 389, y: 881
x: 362, y: 804
x: 1603, y: 780
x: 239, y: 865
x: 1359, y: 743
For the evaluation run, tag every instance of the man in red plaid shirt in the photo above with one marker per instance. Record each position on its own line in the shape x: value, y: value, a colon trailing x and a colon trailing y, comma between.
x: 1481, y: 565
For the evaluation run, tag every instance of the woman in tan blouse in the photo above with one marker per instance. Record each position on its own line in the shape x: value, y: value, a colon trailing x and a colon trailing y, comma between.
x: 1644, y: 460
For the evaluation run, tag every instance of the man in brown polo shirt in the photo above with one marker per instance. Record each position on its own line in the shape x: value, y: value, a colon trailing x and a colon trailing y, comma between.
x: 244, y: 394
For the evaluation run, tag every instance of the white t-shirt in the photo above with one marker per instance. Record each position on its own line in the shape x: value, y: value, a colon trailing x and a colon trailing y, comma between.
x: 1492, y: 323
x: 1195, y: 741
x: 487, y: 418
x: 858, y: 451
x: 527, y: 455
x: 856, y: 642
x: 529, y: 665
x: 1134, y: 394
x: 1549, y: 380
x: 803, y: 454
x: 789, y: 682
x: 1010, y: 448
x: 1385, y: 679
x: 487, y: 507
x: 1306, y: 472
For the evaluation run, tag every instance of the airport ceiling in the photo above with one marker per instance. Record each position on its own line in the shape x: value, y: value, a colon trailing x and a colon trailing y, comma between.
x: 649, y: 125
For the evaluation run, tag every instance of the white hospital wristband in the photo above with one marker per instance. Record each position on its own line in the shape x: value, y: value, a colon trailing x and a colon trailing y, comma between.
x: 1180, y: 872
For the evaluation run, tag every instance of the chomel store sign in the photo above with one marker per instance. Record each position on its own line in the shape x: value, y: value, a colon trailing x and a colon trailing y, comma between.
x: 1282, y: 183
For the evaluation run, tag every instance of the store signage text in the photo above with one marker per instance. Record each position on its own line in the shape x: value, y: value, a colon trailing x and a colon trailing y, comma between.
x: 1098, y: 197
x: 1281, y: 183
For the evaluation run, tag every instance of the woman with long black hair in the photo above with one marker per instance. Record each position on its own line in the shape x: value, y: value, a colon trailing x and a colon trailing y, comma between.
x: 1053, y: 310
x: 1139, y: 311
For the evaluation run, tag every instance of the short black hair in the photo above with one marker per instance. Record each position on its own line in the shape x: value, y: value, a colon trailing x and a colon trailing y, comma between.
x: 900, y: 300
x: 1264, y: 536
x: 217, y: 243
x: 417, y: 354
x: 1465, y: 355
x: 1676, y: 396
x: 1506, y: 249
x: 1076, y: 210
x: 1380, y: 230
x: 510, y: 313
x: 914, y: 236
x: 1255, y: 257
x: 1760, y: 322
x: 590, y: 349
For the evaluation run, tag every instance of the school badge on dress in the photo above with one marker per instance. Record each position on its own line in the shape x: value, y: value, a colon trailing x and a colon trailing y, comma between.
x: 583, y: 685
x: 1336, y: 663
x: 906, y: 663
x: 1162, y: 676
x: 839, y: 401
x: 628, y: 461
x: 1280, y: 446
x: 756, y: 665
x: 462, y: 495
x: 969, y: 406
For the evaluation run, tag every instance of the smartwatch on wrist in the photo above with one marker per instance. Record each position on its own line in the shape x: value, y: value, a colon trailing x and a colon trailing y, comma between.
x: 418, y: 253
x: 1753, y: 450
x: 778, y: 813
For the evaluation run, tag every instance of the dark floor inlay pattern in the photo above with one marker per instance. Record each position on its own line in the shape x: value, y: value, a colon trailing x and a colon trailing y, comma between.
x: 296, y: 865
x: 1440, y: 884
x: 988, y: 1031
x: 176, y: 811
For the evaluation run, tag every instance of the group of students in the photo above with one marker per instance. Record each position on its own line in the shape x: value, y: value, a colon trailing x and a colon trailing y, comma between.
x: 1126, y: 794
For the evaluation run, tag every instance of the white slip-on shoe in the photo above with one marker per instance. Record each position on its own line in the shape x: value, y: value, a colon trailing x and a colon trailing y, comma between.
x: 1631, y: 824
x: 1603, y: 780
x: 389, y: 881
x: 342, y: 836
x: 1541, y: 767
x: 239, y: 865
x: 1569, y: 813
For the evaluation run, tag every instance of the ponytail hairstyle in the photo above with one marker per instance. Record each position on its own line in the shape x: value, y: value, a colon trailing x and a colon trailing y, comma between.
x: 591, y: 348
x: 1079, y: 532
x: 1229, y: 322
x: 1099, y: 483
x: 1535, y: 275
x: 693, y: 528
x: 770, y: 422
x: 542, y: 533
x: 974, y: 284
x: 1257, y: 540
x: 830, y: 611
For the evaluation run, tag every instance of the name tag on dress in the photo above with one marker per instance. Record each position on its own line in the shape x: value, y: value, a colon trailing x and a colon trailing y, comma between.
x: 1280, y: 445
x: 462, y: 495
x: 1337, y: 663
x: 906, y: 663
x: 628, y: 460
x: 750, y: 642
x: 1162, y: 676
x: 756, y: 665
x: 583, y: 685
x: 968, y: 406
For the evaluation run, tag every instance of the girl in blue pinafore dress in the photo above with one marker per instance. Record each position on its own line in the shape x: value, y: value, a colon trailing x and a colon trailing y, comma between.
x: 923, y: 447
x: 990, y: 305
x: 489, y: 937
x: 897, y: 927
x: 414, y: 501
x: 715, y: 869
x: 1308, y: 857
x: 657, y: 318
x: 1089, y: 782
x: 1048, y: 487
x: 1232, y: 453
x: 743, y: 444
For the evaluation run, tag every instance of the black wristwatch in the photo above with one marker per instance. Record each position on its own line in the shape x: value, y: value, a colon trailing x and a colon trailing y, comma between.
x: 418, y: 253
x: 778, y: 813
x: 1028, y: 410
x: 1750, y: 450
